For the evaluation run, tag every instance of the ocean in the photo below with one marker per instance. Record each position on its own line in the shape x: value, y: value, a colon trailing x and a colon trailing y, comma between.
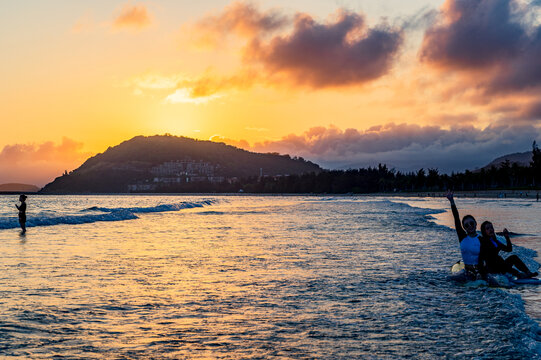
x: 258, y: 277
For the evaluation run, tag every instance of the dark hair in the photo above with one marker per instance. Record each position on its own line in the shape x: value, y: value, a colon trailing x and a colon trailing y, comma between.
x: 483, y: 226
x: 467, y: 217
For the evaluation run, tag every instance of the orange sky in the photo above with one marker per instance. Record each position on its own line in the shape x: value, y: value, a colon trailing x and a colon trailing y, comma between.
x: 321, y: 81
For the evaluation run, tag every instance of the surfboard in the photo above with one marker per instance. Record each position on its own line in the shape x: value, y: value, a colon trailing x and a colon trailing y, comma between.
x: 499, y: 280
x: 527, y: 281
x: 458, y: 266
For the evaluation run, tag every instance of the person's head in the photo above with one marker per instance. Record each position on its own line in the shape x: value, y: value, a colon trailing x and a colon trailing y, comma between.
x: 22, y: 197
x: 469, y: 224
x: 487, y: 229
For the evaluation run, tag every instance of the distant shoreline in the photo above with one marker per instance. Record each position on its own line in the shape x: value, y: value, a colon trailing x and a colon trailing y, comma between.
x: 18, y: 192
x: 488, y: 194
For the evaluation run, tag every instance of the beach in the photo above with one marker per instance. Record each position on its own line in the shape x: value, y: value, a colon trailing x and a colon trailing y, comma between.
x: 301, y: 277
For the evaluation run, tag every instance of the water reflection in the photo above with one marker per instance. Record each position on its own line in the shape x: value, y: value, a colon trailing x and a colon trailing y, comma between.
x: 287, y: 277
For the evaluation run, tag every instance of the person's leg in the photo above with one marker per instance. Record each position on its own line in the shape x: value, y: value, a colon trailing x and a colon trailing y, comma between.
x: 515, y: 261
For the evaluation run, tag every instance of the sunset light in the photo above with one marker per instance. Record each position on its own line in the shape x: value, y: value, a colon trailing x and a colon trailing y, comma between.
x: 270, y: 179
x: 100, y: 74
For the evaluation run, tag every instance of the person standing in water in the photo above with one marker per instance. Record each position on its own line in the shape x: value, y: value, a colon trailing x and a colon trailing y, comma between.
x: 22, y: 212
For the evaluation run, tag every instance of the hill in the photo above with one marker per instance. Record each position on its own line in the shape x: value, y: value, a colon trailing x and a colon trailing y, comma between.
x: 522, y: 159
x: 171, y: 163
x: 15, y: 187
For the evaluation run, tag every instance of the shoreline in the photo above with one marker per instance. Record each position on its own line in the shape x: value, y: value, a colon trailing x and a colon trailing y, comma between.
x: 484, y: 194
x: 488, y: 194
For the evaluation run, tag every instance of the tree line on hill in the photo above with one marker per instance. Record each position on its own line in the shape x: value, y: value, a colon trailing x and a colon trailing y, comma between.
x: 383, y: 179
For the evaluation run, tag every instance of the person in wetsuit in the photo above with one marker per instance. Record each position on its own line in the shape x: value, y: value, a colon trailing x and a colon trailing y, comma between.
x: 470, y: 242
x: 491, y: 247
x: 22, y: 212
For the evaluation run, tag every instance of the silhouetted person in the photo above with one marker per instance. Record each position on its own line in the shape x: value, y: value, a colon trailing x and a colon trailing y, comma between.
x: 537, y: 197
x: 490, y: 248
x: 22, y: 212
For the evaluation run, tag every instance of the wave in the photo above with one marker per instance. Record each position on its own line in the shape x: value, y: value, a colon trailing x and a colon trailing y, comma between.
x: 109, y: 214
x: 511, y: 233
x: 152, y: 209
x: 396, y: 205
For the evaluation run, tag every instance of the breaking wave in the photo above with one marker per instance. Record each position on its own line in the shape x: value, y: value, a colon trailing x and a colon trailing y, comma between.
x: 107, y: 214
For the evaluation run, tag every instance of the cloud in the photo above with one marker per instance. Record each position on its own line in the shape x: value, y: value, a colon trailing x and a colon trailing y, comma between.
x: 300, y: 50
x: 473, y: 34
x: 338, y: 53
x: 243, y: 144
x: 195, y: 90
x: 530, y: 112
x: 185, y: 96
x: 239, y: 18
x: 39, y: 163
x: 132, y: 17
x: 455, y: 119
x: 498, y: 40
x: 405, y: 147
x: 208, y: 85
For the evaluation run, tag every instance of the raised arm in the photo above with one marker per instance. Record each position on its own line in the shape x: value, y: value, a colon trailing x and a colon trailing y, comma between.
x: 458, y: 224
x: 507, y: 247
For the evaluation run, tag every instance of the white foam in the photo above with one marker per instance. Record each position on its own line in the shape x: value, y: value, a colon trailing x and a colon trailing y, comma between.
x: 107, y: 214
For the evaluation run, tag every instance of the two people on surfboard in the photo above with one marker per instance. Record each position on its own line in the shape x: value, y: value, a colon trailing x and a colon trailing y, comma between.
x: 480, y: 252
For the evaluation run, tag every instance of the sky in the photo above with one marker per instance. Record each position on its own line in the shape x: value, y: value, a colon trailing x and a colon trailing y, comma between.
x: 446, y: 84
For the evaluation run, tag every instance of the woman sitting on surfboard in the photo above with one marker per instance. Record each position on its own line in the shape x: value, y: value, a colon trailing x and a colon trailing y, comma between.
x: 470, y: 242
x: 494, y: 262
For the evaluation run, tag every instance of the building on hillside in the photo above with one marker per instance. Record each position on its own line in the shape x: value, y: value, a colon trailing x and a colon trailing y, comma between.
x: 183, y: 167
x: 142, y: 187
x: 179, y: 172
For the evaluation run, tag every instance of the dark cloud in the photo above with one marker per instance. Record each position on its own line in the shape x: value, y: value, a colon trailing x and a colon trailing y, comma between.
x: 344, y: 52
x: 530, y: 112
x: 499, y: 39
x: 405, y: 147
x: 523, y: 72
x: 473, y: 34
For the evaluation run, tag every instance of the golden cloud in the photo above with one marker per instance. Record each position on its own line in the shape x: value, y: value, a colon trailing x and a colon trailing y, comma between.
x: 40, y: 163
x: 132, y: 17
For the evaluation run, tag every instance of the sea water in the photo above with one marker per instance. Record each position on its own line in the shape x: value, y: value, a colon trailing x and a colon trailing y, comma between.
x: 257, y: 277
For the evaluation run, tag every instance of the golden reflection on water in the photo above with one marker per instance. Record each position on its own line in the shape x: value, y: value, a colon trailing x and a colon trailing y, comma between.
x: 246, y: 277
